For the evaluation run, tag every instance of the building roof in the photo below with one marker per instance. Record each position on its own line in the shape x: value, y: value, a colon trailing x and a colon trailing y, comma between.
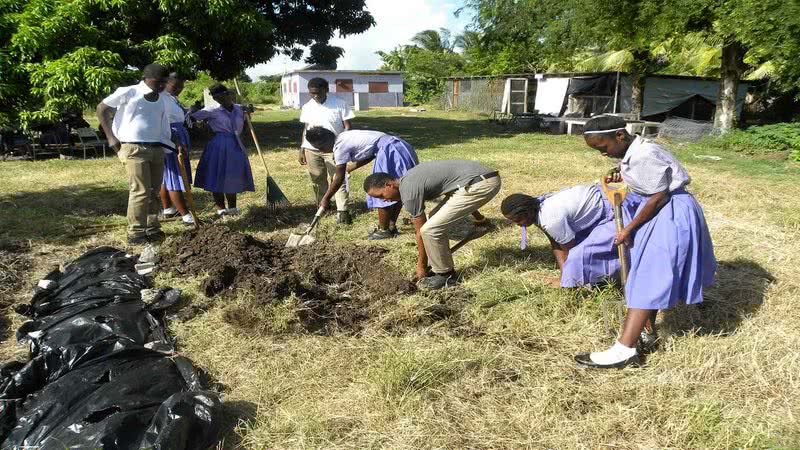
x: 360, y: 72
x: 582, y: 74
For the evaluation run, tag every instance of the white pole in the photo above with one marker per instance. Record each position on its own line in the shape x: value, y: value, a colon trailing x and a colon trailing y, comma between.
x: 616, y: 93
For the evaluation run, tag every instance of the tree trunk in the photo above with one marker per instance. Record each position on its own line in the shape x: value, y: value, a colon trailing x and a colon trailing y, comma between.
x: 731, y: 69
x: 637, y: 93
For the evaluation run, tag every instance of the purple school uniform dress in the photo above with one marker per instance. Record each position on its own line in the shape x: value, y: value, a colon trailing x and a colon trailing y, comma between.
x: 173, y: 180
x: 594, y: 257
x: 224, y: 166
x: 392, y: 155
x: 672, y: 257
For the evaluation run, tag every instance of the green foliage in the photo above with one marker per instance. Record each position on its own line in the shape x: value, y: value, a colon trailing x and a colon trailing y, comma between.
x: 761, y: 140
x: 62, y: 54
x: 262, y: 92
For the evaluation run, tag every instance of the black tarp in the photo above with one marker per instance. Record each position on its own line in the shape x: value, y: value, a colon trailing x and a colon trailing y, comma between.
x: 102, y: 372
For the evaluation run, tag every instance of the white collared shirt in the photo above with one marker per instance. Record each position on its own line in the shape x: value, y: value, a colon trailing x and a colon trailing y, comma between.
x: 566, y: 213
x: 330, y: 115
x: 649, y: 168
x: 356, y: 145
x: 139, y: 120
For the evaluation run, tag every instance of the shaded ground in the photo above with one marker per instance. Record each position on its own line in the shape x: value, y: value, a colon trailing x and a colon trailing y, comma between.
x: 15, y: 265
x: 331, y: 284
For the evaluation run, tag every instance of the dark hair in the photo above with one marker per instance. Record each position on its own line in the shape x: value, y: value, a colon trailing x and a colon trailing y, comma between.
x: 521, y: 205
x: 320, y: 137
x: 217, y: 89
x: 377, y: 181
x: 319, y: 83
x: 605, y: 123
x: 155, y: 71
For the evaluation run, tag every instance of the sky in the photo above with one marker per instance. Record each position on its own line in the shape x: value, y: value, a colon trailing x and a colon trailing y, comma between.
x: 396, y: 22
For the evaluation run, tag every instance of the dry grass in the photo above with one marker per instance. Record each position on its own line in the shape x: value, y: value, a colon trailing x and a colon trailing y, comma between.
x: 726, y: 378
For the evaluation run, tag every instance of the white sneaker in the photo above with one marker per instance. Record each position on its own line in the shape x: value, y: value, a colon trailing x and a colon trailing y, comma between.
x: 187, y: 219
x: 222, y: 212
x: 166, y: 212
x: 232, y: 212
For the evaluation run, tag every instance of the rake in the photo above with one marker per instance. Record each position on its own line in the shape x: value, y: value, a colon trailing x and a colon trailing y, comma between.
x: 275, y: 197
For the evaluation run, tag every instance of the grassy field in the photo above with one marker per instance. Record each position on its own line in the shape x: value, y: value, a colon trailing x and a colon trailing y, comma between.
x: 500, y: 374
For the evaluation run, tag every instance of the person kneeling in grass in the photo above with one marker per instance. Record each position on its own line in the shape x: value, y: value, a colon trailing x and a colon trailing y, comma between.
x: 579, y: 223
x: 466, y: 186
x: 671, y: 253
x: 391, y: 154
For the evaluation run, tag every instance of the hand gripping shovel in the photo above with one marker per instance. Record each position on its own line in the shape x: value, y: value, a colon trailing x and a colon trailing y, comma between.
x: 296, y: 240
x: 616, y: 197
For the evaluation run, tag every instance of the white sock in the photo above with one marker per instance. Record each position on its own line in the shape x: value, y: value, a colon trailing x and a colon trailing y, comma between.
x: 169, y: 210
x: 617, y: 353
x: 221, y: 211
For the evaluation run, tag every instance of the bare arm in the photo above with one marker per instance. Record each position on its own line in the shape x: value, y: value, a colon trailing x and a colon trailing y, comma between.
x: 301, y: 156
x: 346, y: 125
x: 561, y: 251
x: 650, y: 209
x: 422, y: 257
x: 335, y: 184
x: 359, y: 164
x: 105, y: 114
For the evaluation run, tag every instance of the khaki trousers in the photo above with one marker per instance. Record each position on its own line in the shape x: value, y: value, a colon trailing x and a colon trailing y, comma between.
x: 145, y: 167
x: 320, y: 167
x: 457, y: 205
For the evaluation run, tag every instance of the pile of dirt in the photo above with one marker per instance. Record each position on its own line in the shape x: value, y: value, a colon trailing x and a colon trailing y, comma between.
x: 333, y: 284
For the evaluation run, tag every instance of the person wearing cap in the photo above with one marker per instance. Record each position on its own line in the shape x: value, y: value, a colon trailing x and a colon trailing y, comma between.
x: 224, y: 168
x: 466, y: 186
x: 331, y: 113
x: 140, y: 133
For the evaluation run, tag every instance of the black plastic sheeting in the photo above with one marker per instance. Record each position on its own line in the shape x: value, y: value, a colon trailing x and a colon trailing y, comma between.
x: 103, y: 372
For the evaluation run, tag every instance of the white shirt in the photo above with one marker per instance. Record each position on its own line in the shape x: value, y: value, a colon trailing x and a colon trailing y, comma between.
x: 139, y: 120
x: 330, y: 115
x: 649, y: 168
x: 175, y: 113
x: 564, y: 214
x: 356, y: 145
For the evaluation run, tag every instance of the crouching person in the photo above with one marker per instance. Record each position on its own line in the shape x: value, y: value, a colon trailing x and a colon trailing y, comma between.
x: 466, y: 186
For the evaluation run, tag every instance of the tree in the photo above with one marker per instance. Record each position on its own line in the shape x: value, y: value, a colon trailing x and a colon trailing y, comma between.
x: 70, y: 53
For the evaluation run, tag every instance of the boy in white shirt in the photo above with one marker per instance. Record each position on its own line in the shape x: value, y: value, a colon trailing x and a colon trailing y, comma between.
x: 141, y: 134
x: 333, y: 114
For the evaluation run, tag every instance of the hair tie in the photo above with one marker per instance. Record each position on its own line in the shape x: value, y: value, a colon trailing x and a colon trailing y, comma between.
x: 602, y: 131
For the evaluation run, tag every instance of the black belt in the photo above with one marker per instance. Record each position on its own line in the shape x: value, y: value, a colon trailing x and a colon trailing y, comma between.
x: 151, y: 144
x: 477, y: 179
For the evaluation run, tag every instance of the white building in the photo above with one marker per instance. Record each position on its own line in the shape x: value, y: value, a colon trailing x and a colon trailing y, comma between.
x: 382, y: 88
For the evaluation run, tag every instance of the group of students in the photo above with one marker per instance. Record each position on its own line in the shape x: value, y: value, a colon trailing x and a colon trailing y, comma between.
x: 671, y: 253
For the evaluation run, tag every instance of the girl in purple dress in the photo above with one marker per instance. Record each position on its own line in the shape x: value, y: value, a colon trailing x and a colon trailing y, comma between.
x: 224, y: 169
x: 172, y: 187
x: 671, y: 253
x: 579, y: 223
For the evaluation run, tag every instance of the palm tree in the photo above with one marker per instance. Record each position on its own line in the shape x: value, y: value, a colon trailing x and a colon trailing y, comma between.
x: 435, y: 41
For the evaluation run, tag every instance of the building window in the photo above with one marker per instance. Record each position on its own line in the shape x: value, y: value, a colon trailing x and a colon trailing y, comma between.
x: 344, y: 85
x: 378, y: 87
x: 294, y: 87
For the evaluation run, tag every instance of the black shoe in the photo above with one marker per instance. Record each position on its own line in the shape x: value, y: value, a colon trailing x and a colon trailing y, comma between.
x: 585, y: 361
x: 438, y: 281
x: 379, y: 234
x: 137, y: 240
x: 648, y: 342
x: 156, y: 237
x: 343, y: 217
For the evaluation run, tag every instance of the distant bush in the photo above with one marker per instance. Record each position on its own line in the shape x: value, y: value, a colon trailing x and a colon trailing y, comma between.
x: 259, y: 92
x: 765, y: 139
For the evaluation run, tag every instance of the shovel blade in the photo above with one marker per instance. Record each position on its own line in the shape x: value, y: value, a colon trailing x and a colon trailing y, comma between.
x: 296, y: 240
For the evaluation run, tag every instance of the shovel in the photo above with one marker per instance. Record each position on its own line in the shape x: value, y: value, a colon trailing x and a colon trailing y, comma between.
x: 616, y: 197
x: 296, y: 240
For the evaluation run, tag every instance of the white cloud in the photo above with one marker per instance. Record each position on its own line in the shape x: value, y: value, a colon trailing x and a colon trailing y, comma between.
x: 396, y: 22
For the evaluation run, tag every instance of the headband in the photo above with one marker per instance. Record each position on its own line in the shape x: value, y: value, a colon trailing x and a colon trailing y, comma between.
x: 603, y: 131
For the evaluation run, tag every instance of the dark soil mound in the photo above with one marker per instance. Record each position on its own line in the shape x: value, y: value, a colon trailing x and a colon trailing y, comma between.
x: 332, y: 283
